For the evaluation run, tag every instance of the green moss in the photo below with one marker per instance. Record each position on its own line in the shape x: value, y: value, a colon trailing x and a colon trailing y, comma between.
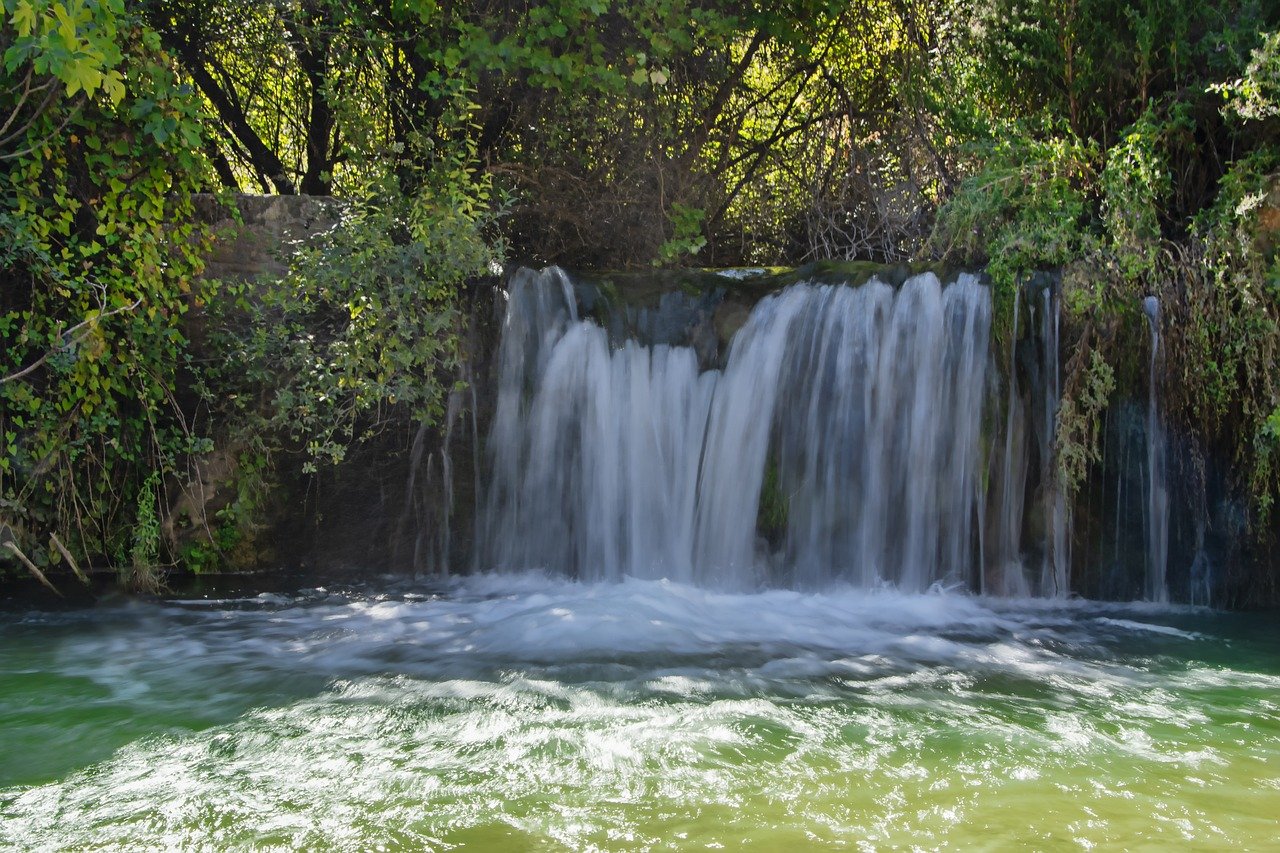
x: 772, y: 515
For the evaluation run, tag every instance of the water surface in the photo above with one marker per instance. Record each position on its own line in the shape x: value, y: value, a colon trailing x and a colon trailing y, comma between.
x: 526, y: 712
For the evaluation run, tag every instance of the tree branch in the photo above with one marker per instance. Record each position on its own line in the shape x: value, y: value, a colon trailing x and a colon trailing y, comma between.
x: 86, y: 325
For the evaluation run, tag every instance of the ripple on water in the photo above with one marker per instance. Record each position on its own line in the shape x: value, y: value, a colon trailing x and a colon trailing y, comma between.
x: 518, y: 712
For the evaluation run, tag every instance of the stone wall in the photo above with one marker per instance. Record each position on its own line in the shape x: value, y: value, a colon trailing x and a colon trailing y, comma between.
x: 258, y: 242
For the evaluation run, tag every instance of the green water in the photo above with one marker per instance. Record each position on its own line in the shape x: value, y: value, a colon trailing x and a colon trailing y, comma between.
x: 526, y: 713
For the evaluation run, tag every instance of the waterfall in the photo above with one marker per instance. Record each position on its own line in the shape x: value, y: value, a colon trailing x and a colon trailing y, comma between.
x: 1056, y: 565
x: 1157, y: 492
x: 1008, y: 576
x: 852, y: 414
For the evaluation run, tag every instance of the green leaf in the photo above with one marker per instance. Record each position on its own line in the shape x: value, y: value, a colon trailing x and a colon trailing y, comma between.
x: 24, y: 18
x: 82, y: 74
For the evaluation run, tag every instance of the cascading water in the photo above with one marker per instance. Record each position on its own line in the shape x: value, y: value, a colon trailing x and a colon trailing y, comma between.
x: 878, y: 431
x: 1157, y: 492
x: 860, y: 407
x: 1055, y: 574
x: 1006, y: 575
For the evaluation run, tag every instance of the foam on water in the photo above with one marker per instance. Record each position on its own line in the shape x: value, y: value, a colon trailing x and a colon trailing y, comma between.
x: 527, y: 710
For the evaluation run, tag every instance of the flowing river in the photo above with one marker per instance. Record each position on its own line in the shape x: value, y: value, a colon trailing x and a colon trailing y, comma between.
x: 528, y: 712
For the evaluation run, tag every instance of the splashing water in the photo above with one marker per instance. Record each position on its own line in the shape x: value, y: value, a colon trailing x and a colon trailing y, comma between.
x: 689, y: 689
x: 1007, y: 575
x: 520, y: 711
x: 1055, y: 578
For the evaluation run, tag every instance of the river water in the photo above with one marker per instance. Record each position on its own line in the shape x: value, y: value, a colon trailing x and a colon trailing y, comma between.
x: 526, y: 712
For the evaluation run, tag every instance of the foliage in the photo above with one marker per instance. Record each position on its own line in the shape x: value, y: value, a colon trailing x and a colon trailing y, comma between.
x: 1135, y: 185
x: 1256, y: 95
x: 1266, y: 469
x: 363, y: 331
x: 600, y: 117
x: 1098, y: 149
x: 1078, y: 420
x: 144, y: 555
x: 1026, y: 209
x: 358, y: 342
x: 1229, y: 334
x: 229, y: 536
x: 686, y: 238
x: 51, y: 52
x: 99, y: 263
x: 1129, y: 145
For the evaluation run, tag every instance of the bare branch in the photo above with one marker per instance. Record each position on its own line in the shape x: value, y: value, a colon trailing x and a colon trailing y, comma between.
x: 31, y: 567
x: 66, y: 555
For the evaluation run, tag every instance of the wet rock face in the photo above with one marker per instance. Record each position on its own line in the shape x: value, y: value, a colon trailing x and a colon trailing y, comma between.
x: 300, y: 521
x: 409, y: 502
x: 854, y: 412
x: 729, y: 318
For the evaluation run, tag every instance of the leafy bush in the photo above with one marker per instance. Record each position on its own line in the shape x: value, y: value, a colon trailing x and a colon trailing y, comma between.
x: 359, y: 339
x: 1028, y: 207
x: 99, y: 258
x: 366, y: 322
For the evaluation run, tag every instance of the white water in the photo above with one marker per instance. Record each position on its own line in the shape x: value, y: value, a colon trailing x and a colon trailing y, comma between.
x: 865, y: 404
x: 1055, y: 578
x: 1005, y: 573
x: 527, y: 712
